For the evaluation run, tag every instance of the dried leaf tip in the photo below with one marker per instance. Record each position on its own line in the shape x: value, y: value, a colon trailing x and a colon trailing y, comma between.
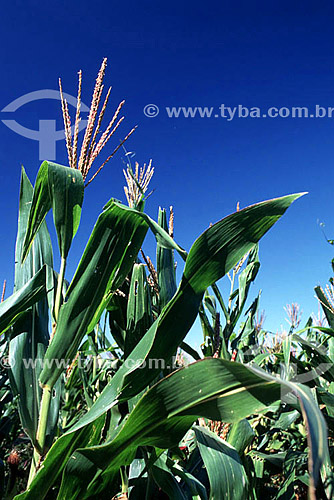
x: 3, y: 290
x: 171, y: 222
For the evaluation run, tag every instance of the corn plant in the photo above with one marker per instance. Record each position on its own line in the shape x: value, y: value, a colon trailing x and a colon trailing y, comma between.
x: 103, y: 417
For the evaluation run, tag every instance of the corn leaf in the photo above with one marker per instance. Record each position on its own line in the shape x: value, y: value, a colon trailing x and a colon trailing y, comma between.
x: 165, y: 479
x: 17, y: 304
x: 60, y: 188
x: 139, y: 316
x: 213, y: 254
x: 161, y: 235
x: 326, y: 306
x: 226, y: 473
x: 31, y: 334
x: 168, y: 409
x: 241, y: 435
x: 165, y: 267
x: 110, y: 252
x: 232, y: 236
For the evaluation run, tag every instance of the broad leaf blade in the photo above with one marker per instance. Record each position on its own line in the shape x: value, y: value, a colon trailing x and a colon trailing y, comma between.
x: 226, y: 473
x: 165, y: 267
x: 212, y: 255
x: 62, y: 189
x: 167, y: 410
x: 241, y: 435
x: 110, y: 252
x: 31, y: 336
x: 179, y: 315
x: 161, y: 235
x: 41, y: 204
x: 326, y: 306
x: 66, y: 187
x: 220, y: 247
x: 17, y: 304
x: 139, y: 316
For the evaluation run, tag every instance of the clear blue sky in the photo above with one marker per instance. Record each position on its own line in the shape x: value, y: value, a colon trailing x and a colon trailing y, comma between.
x: 189, y: 54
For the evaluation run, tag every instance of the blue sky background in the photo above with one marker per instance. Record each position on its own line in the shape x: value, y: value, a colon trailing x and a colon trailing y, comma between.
x: 189, y: 54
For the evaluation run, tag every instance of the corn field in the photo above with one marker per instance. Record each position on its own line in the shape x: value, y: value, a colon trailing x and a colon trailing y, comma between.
x: 102, y: 397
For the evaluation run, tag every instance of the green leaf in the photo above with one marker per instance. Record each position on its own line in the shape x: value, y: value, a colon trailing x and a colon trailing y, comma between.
x: 165, y: 266
x: 110, y: 252
x: 162, y: 236
x: 286, y: 491
x: 212, y: 255
x: 82, y: 467
x: 17, y: 304
x: 64, y: 450
x: 166, y: 480
x: 139, y: 316
x: 317, y: 357
x: 221, y: 246
x: 42, y: 250
x: 229, y: 240
x: 248, y: 275
x: 60, y: 188
x: 196, y: 488
x: 31, y: 335
x: 326, y: 306
x: 286, y: 419
x: 215, y: 252
x: 226, y: 473
x: 117, y: 319
x: 248, y: 335
x: 168, y: 409
x: 241, y: 435
x: 189, y: 350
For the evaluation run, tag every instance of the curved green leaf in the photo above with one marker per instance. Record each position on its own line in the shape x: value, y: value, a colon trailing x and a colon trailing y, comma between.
x: 228, y: 242
x: 139, y: 316
x: 62, y: 189
x: 226, y: 473
x: 110, y: 252
x: 161, y: 235
x: 212, y: 255
x: 17, y: 304
x: 217, y: 250
x: 168, y: 409
x: 165, y: 267
x: 241, y: 435
x: 31, y: 335
x: 326, y: 306
x: 166, y: 480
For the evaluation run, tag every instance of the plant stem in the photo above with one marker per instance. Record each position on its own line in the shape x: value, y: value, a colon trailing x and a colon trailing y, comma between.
x: 43, y: 417
x: 46, y: 395
x: 33, y: 466
x: 124, y: 479
x: 217, y: 293
x: 59, y: 287
x: 67, y: 395
x: 41, y: 431
x: 97, y: 349
x: 231, y: 291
